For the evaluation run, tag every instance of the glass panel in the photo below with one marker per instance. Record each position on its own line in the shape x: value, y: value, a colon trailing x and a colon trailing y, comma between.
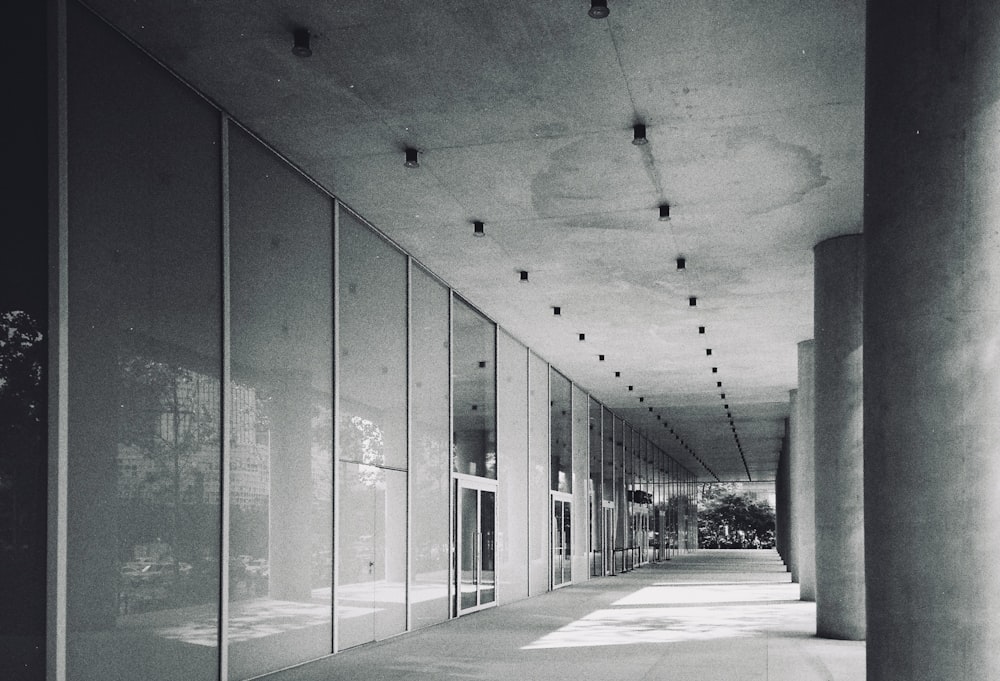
x: 539, y: 541
x: 144, y: 370
x: 487, y: 546
x: 372, y: 352
x: 608, y: 478
x: 469, y: 551
x: 356, y: 495
x: 596, y: 487
x: 512, y: 455
x: 430, y: 427
x: 567, y: 538
x: 474, y: 384
x: 561, y: 432
x: 390, y: 554
x: 281, y: 475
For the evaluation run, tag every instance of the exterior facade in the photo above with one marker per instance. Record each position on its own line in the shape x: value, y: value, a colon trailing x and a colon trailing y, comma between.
x: 272, y: 434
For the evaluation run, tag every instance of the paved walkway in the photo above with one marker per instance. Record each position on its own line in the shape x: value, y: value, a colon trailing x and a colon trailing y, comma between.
x: 715, y: 615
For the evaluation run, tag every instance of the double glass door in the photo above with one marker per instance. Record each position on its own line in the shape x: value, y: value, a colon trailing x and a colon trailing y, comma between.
x: 561, y: 539
x: 608, y: 537
x: 475, y: 531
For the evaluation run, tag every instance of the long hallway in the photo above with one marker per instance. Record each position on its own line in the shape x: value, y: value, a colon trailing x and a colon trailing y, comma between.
x: 714, y: 615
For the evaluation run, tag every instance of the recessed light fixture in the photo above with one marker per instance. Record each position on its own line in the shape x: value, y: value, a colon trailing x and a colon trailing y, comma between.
x: 524, y: 275
x: 639, y: 134
x: 664, y: 212
x: 556, y: 310
x: 411, y: 158
x: 478, y: 228
x: 300, y: 44
x: 598, y: 9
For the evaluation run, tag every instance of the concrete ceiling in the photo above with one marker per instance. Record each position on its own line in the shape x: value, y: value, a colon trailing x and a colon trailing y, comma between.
x: 523, y: 114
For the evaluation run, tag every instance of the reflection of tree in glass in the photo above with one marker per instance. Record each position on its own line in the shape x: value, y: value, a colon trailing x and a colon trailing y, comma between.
x: 168, y: 415
x: 365, y: 437
x: 22, y: 414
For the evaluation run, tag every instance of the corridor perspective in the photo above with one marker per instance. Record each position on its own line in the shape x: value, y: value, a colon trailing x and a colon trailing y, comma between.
x: 390, y: 339
x: 713, y: 615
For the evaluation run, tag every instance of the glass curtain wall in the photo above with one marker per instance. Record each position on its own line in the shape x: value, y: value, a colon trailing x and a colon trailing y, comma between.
x: 595, y: 490
x: 561, y: 472
x: 145, y: 283
x: 430, y: 456
x: 301, y: 460
x: 474, y: 420
x: 474, y: 385
x: 281, y: 437
x: 372, y: 435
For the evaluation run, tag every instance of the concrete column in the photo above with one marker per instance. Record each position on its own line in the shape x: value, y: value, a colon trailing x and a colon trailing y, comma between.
x: 839, y: 460
x: 932, y: 340
x: 804, y: 474
x: 792, y: 533
x: 793, y: 499
x: 781, y: 502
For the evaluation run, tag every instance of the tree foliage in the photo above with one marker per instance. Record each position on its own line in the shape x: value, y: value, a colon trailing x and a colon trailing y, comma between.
x: 728, y: 518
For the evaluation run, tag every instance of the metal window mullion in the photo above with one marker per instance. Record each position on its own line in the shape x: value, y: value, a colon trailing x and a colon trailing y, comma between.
x: 409, y: 445
x: 335, y: 464
x: 58, y: 353
x: 225, y: 408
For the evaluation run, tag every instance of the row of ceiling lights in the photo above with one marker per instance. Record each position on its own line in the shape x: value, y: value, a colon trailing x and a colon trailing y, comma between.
x: 599, y: 9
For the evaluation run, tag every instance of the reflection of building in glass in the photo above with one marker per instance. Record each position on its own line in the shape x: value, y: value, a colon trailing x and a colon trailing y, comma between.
x: 171, y: 448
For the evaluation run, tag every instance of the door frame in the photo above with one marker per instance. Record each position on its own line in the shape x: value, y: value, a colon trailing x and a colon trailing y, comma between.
x: 565, y: 498
x: 462, y: 481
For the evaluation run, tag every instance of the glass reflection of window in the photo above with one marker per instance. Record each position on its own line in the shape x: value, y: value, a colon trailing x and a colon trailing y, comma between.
x: 561, y: 432
x: 474, y: 381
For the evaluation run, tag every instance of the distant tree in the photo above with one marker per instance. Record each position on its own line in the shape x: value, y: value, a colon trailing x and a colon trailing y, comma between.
x: 730, y: 519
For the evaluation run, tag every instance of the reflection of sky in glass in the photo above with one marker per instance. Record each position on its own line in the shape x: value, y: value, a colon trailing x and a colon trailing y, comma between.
x: 677, y: 613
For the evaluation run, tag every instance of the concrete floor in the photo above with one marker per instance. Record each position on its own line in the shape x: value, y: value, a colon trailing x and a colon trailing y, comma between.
x: 716, y: 615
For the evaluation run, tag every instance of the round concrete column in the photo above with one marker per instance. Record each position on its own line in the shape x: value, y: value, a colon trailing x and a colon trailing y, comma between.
x: 792, y: 559
x: 840, y: 550
x: 804, y: 473
x: 932, y: 340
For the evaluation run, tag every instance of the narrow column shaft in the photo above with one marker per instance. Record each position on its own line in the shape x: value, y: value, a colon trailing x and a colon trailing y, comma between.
x: 932, y: 340
x: 792, y: 559
x: 804, y: 476
x: 840, y: 554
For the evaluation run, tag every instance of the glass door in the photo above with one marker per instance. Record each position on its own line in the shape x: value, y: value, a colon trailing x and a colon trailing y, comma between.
x: 608, y: 538
x: 475, y: 531
x: 562, y: 572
